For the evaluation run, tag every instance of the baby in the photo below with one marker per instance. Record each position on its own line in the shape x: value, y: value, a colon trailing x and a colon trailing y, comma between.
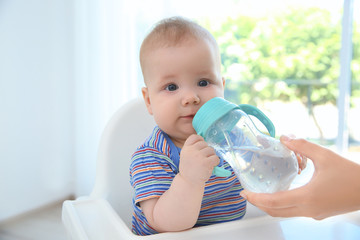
x: 171, y: 171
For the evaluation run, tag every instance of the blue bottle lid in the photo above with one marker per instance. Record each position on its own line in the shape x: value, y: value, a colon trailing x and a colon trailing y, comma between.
x: 210, y: 112
x: 217, y: 107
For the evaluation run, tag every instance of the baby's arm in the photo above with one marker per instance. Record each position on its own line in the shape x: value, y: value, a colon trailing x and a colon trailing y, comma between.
x: 179, y: 207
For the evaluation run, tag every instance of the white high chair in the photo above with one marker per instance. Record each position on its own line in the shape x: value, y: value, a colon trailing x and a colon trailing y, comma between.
x: 106, y: 213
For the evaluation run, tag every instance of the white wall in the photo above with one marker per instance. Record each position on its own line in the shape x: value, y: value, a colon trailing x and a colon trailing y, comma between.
x: 36, y: 104
x: 65, y: 67
x: 106, y: 73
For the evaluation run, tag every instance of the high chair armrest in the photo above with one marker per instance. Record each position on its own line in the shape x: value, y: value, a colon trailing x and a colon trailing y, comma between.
x: 88, y: 218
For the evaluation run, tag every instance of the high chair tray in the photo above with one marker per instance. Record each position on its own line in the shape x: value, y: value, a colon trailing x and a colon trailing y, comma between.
x: 95, y: 219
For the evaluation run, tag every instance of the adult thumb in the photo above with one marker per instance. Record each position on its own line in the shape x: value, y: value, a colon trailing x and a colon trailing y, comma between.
x: 305, y: 148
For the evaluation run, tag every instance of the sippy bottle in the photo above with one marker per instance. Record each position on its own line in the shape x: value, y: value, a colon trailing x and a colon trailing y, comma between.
x: 261, y: 162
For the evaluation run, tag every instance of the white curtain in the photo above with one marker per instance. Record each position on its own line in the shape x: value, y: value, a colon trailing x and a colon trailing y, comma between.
x: 105, y: 73
x: 108, y: 34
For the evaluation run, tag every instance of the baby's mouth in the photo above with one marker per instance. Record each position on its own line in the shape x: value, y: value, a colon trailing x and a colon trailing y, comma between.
x: 191, y: 116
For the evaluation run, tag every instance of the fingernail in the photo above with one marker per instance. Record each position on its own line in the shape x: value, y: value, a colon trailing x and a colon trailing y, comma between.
x: 243, y: 195
x: 287, y: 138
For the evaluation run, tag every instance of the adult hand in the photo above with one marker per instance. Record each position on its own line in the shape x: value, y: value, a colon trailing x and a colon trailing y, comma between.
x: 334, y: 188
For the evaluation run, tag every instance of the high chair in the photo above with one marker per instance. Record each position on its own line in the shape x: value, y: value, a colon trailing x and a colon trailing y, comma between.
x: 106, y: 213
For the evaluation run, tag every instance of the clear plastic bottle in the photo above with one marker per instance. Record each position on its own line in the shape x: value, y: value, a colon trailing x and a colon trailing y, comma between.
x: 261, y: 162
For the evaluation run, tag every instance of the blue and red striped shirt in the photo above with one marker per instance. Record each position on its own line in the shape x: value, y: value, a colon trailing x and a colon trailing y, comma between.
x: 154, y: 165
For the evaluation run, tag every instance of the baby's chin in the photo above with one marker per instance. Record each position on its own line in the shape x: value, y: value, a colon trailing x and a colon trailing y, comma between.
x: 192, y: 131
x: 187, y: 134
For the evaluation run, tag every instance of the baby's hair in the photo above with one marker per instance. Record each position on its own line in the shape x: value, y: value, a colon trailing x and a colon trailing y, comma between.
x: 172, y: 32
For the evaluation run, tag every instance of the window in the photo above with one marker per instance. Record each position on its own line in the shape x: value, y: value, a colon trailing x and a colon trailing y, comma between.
x: 283, y: 58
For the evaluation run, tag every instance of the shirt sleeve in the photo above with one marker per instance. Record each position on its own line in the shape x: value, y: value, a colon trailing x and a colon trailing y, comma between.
x: 150, y: 174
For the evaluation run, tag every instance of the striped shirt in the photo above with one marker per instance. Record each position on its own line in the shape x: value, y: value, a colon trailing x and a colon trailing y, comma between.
x: 154, y: 165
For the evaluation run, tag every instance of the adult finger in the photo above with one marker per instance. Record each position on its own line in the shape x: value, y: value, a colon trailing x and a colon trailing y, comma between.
x: 283, y: 199
x: 305, y: 148
x: 283, y: 212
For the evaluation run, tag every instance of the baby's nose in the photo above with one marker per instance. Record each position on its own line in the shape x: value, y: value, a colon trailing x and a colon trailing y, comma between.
x: 191, y: 98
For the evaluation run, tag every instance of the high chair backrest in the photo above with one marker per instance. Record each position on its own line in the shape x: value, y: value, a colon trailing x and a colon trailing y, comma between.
x: 125, y: 131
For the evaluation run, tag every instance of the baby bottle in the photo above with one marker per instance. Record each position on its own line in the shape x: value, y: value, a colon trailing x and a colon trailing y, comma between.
x: 261, y: 162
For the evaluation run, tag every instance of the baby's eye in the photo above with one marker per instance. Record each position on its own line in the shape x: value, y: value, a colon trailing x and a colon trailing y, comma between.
x: 171, y: 87
x: 203, y: 83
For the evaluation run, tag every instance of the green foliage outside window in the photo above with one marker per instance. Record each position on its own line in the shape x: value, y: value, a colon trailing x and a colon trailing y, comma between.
x: 290, y: 56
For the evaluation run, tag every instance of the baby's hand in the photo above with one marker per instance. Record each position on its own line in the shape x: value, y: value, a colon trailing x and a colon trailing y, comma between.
x: 197, y: 160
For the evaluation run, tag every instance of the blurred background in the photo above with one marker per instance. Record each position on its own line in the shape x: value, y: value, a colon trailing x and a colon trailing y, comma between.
x: 67, y: 65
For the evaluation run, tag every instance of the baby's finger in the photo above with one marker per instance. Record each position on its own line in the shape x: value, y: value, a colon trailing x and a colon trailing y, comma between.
x: 214, y: 160
x: 210, y: 163
x: 192, y: 139
x: 208, y: 151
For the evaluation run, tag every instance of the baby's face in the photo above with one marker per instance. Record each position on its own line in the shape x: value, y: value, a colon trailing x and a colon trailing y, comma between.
x: 180, y: 79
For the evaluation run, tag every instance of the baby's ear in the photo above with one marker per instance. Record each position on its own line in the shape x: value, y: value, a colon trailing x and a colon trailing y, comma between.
x: 145, y: 93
